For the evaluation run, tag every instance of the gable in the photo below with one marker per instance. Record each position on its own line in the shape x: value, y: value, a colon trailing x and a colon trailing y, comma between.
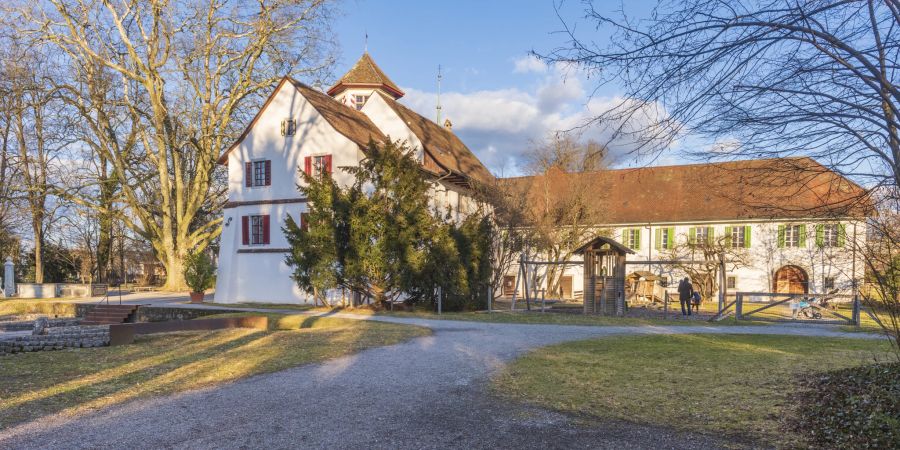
x: 350, y: 123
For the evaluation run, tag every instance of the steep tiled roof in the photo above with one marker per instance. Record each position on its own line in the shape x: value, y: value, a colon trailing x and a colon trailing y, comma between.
x: 351, y: 123
x: 365, y: 73
x: 442, y: 146
x: 778, y: 188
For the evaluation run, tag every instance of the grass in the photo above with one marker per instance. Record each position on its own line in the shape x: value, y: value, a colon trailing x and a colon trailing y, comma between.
x: 11, y: 307
x: 533, y: 317
x: 736, y: 386
x: 75, y: 380
x: 285, y: 306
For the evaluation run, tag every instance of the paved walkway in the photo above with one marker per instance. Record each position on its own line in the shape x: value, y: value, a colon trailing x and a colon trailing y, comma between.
x: 429, y: 392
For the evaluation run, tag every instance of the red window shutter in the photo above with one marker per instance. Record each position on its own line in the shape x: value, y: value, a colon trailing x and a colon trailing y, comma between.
x: 328, y: 164
x: 248, y: 174
x: 308, y: 165
x: 245, y: 230
x: 268, y: 172
x: 265, y: 229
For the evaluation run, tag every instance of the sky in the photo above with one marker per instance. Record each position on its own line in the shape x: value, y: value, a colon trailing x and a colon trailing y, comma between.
x: 499, y: 99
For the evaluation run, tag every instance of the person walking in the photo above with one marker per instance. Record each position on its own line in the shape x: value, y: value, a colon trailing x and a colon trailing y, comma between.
x: 685, y: 292
x: 695, y: 300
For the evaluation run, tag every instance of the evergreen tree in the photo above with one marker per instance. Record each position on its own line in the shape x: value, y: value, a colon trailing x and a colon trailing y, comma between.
x: 381, y: 238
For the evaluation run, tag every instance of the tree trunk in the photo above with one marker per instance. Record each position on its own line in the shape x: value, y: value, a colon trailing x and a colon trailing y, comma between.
x: 36, y: 226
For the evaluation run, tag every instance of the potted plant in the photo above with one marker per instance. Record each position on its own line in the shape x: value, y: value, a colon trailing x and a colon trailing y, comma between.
x: 198, y: 274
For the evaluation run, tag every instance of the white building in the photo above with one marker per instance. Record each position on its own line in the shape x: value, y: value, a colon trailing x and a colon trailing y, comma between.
x: 788, y: 223
x: 791, y: 217
x: 299, y: 128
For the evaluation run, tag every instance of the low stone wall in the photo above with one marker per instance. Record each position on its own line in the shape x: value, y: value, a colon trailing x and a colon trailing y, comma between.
x: 28, y: 325
x: 164, y: 314
x: 58, y: 338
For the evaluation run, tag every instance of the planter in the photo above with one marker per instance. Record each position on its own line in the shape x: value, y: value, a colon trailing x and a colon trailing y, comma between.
x: 196, y: 297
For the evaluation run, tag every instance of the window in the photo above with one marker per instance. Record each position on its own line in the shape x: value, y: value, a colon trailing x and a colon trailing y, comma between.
x: 255, y: 230
x: 731, y: 283
x: 828, y: 283
x: 288, y: 127
x: 665, y: 238
x: 664, y: 281
x: 700, y: 235
x: 738, y: 237
x: 830, y: 235
x: 318, y: 165
x: 259, y: 173
x: 631, y: 237
x: 792, y: 235
x: 360, y: 101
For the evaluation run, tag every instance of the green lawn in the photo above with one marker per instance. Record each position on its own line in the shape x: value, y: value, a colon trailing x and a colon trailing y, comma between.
x: 519, y: 316
x: 736, y: 386
x: 69, y: 381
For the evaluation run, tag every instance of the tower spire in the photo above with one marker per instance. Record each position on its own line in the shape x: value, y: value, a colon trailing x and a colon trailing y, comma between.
x: 440, y: 76
x: 366, y: 44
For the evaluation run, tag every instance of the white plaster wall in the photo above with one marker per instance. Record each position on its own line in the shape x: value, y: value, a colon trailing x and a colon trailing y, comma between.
x: 387, y: 120
x: 314, y: 136
x: 264, y: 277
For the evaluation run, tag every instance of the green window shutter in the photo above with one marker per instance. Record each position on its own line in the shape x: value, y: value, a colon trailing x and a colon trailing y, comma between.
x: 659, y: 238
x: 625, y: 237
x: 802, y: 236
x: 710, y: 235
x: 692, y: 235
x: 820, y: 235
x: 671, y: 238
x: 637, y: 238
x: 842, y: 234
x: 747, y: 235
x: 727, y: 236
x: 780, y: 236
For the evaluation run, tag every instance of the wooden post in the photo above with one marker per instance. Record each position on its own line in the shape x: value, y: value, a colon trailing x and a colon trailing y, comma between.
x: 542, y: 299
x: 739, y: 306
x: 490, y: 294
x: 666, y: 305
x: 857, y: 320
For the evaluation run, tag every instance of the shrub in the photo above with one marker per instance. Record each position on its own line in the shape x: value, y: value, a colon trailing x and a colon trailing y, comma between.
x: 199, y: 273
x: 850, y: 408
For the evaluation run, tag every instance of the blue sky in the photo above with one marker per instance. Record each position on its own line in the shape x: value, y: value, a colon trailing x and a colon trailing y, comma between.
x: 498, y: 98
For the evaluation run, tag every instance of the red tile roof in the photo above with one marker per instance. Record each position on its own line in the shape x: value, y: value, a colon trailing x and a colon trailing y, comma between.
x: 779, y: 188
x: 442, y: 146
x: 365, y: 73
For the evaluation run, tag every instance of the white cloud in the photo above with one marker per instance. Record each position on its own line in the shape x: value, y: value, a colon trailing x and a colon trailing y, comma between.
x: 501, y: 125
x: 529, y: 64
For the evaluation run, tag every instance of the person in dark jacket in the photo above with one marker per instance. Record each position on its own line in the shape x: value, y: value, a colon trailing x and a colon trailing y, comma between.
x: 685, y: 293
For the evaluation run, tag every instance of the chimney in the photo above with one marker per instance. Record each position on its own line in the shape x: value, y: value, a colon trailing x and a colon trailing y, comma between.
x: 448, y: 125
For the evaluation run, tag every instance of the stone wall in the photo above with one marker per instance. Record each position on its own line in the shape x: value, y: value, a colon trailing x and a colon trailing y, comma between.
x: 58, y: 338
x: 28, y: 325
x: 163, y: 314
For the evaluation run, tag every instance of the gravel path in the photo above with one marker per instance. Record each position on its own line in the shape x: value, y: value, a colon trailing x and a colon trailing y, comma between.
x: 426, y: 393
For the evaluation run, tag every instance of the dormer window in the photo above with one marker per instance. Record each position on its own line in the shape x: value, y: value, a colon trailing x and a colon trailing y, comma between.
x: 288, y: 127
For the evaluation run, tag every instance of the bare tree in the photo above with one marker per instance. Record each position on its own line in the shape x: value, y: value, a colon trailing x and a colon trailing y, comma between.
x: 38, y: 129
x: 773, y: 78
x: 190, y: 74
x: 511, y: 235
x: 564, y: 208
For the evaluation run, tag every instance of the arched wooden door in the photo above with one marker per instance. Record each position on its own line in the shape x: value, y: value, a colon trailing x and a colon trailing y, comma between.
x: 791, y: 280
